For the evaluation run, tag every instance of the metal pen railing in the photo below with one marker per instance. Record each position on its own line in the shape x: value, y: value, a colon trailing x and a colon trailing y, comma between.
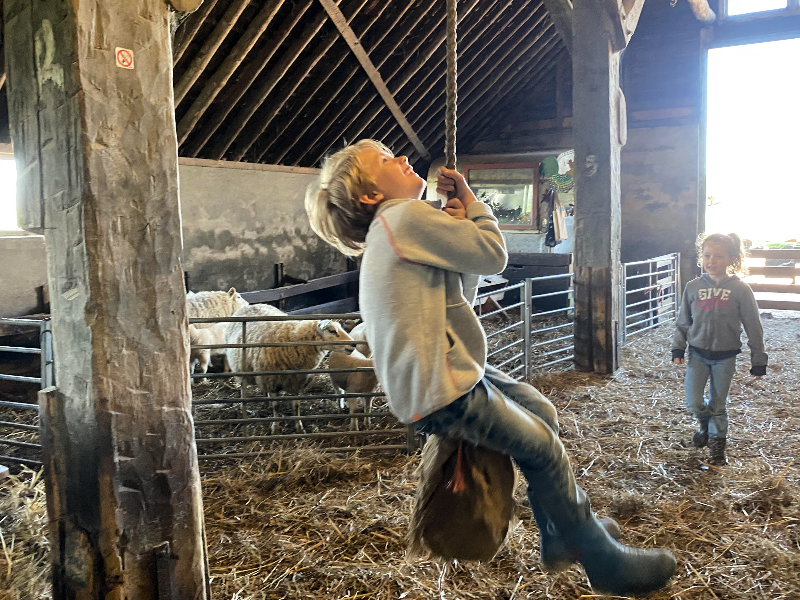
x: 650, y: 293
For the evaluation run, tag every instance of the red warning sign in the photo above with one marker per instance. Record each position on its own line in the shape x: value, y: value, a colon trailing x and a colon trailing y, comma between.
x: 124, y: 58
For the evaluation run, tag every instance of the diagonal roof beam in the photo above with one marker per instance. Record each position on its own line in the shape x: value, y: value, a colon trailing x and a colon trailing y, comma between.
x: 347, y: 33
x: 189, y: 29
x: 218, y: 80
x: 208, y: 50
x: 561, y: 15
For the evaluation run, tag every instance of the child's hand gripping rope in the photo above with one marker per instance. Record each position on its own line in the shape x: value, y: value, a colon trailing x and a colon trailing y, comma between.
x: 451, y: 184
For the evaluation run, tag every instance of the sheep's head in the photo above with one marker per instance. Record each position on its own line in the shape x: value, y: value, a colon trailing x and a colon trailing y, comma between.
x: 236, y: 300
x: 331, y: 331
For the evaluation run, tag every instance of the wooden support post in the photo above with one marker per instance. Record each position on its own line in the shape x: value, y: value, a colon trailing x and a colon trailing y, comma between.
x: 597, y: 129
x: 92, y: 120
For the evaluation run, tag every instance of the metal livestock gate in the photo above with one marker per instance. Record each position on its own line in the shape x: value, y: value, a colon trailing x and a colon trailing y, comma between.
x: 651, y: 293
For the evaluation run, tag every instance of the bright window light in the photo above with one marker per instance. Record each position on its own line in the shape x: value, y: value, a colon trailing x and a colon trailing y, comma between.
x: 8, y: 191
x: 752, y: 151
x: 745, y: 7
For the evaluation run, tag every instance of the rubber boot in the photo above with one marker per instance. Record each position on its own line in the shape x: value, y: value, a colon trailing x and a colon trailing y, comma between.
x: 716, y: 451
x: 553, y: 553
x: 616, y: 569
x: 700, y: 437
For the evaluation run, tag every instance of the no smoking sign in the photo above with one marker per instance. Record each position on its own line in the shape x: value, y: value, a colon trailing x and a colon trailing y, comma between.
x: 124, y: 58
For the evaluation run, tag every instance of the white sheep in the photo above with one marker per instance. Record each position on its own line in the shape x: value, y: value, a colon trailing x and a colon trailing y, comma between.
x: 359, y: 334
x: 215, y: 334
x: 213, y: 304
x: 284, y: 357
x: 356, y: 382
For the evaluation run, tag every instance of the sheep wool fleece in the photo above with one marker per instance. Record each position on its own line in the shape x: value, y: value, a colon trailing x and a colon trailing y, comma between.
x: 419, y: 278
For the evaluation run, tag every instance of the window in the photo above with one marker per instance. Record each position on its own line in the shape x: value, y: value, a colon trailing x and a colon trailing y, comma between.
x: 746, y: 7
x: 510, y: 191
x: 8, y: 202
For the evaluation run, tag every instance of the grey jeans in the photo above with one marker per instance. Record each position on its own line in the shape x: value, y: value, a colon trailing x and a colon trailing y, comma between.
x: 515, y: 419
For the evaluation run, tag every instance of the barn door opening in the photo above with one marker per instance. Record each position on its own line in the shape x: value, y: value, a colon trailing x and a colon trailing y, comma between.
x: 752, y: 151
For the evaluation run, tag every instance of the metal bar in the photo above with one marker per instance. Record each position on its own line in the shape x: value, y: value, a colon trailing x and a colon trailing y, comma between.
x: 273, y: 345
x: 526, y: 326
x: 21, y: 378
x: 550, y: 277
x: 19, y: 444
x: 500, y: 310
x: 557, y: 351
x: 299, y: 436
x: 510, y: 360
x: 664, y: 314
x: 558, y: 339
x: 504, y: 329
x: 499, y: 290
x: 250, y: 399
x: 20, y: 350
x: 649, y: 311
x: 660, y: 272
x: 275, y: 373
x: 663, y: 258
x: 504, y: 348
x: 21, y: 461
x: 273, y: 318
x: 318, y: 449
x: 256, y: 420
x: 514, y: 370
x: 550, y: 312
x: 21, y: 322
x: 643, y: 329
x: 21, y: 426
x: 656, y: 286
x: 554, y: 362
x: 20, y: 405
x: 569, y: 291
x: 553, y: 328
x: 47, y: 362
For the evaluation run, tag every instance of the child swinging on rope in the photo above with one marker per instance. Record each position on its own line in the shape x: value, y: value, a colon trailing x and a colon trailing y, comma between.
x: 419, y: 278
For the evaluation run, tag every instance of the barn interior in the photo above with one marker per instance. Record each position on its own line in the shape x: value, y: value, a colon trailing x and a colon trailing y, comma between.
x: 167, y: 147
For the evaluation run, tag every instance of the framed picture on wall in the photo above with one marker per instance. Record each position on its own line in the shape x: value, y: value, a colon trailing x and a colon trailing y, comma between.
x: 511, y: 190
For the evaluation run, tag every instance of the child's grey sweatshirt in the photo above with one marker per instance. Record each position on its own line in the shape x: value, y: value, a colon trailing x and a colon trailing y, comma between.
x: 711, y: 318
x: 419, y: 278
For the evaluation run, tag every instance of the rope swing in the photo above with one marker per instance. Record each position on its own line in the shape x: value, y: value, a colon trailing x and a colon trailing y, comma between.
x: 452, y: 90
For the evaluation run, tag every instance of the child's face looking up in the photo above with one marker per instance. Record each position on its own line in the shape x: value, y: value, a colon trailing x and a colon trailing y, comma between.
x: 393, y: 176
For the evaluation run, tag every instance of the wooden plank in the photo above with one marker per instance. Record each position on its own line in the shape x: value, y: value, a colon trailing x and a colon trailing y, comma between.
x: 355, y: 45
x: 243, y: 81
x: 224, y: 72
x: 775, y: 288
x: 209, y: 48
x: 291, y: 291
x: 120, y: 462
x: 561, y: 14
x: 583, y: 321
x: 787, y: 253
x: 785, y: 272
x: 189, y: 29
x: 778, y: 304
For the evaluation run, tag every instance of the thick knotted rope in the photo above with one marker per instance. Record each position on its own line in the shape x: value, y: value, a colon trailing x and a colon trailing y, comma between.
x: 452, y: 94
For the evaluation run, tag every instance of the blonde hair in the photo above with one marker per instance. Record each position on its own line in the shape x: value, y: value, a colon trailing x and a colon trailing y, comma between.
x: 731, y: 242
x: 333, y: 206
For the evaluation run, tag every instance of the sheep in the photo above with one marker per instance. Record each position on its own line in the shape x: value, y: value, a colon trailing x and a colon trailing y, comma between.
x: 357, y: 382
x: 285, y: 357
x: 359, y: 334
x: 213, y: 304
x: 215, y: 334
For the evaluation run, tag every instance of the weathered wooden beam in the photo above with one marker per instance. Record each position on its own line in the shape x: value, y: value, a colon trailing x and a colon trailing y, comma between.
x: 596, y: 135
x: 343, y: 79
x: 471, y: 31
x: 561, y: 14
x: 210, y: 48
x: 375, y: 77
x: 410, y: 71
x: 287, y: 60
x: 243, y: 82
x: 496, y: 55
x: 224, y: 72
x: 619, y: 18
x: 702, y: 11
x: 413, y: 23
x: 93, y: 129
x: 367, y: 113
x: 300, y: 72
x: 189, y: 29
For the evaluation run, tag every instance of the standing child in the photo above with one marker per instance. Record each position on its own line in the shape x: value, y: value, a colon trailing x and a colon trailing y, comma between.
x: 713, y: 309
x: 419, y: 278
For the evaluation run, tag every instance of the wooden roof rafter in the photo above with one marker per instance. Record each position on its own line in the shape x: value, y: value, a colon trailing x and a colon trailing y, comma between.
x: 561, y: 14
x: 247, y: 77
x: 320, y: 108
x: 187, y: 31
x: 377, y: 106
x: 505, y: 56
x: 475, y: 67
x: 260, y: 120
x: 356, y: 110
